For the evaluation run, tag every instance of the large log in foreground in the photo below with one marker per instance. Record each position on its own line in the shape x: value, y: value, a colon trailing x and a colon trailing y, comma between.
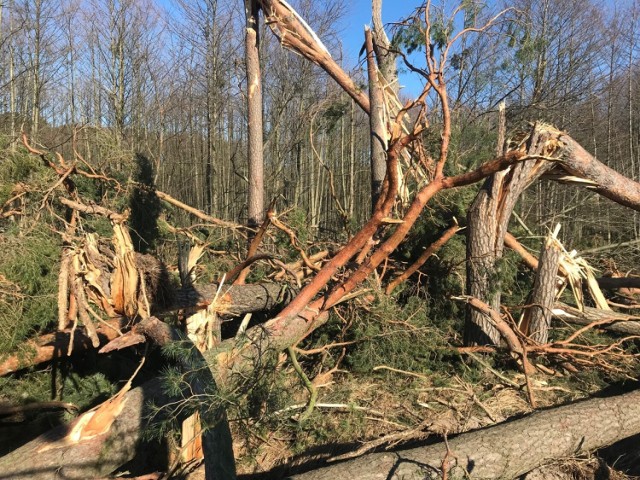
x: 54, y: 455
x: 506, y: 450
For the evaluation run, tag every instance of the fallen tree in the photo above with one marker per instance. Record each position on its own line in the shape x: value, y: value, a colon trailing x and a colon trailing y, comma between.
x: 229, y: 361
x: 506, y: 450
x: 100, y: 440
x: 607, y: 320
x: 229, y: 300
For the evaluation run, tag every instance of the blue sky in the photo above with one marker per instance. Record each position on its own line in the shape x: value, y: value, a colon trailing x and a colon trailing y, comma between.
x: 352, y: 31
x: 359, y: 15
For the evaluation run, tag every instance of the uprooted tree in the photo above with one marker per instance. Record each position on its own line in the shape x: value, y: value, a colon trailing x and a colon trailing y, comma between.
x: 131, y: 289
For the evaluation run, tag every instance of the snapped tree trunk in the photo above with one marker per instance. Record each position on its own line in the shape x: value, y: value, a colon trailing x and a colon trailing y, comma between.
x: 487, y: 222
x: 537, y: 317
x: 506, y: 450
x: 98, y: 456
x: 229, y: 300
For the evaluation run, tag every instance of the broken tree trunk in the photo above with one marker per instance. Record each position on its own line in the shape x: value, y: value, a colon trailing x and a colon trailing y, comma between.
x: 489, y: 215
x: 50, y: 456
x: 487, y: 222
x: 506, y: 450
x: 56, y: 345
x: 103, y: 454
x: 605, y: 283
x: 229, y: 300
x: 537, y: 316
x: 607, y: 182
x: 61, y: 453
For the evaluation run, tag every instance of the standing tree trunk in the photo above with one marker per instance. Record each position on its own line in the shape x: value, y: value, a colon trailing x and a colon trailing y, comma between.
x: 376, y: 124
x: 537, y: 318
x: 487, y: 222
x: 254, y: 102
x: 382, y: 46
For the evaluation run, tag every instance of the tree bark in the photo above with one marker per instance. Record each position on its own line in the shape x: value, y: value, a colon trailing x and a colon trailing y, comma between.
x: 620, y: 322
x: 55, y: 455
x: 51, y: 457
x: 229, y: 300
x: 537, y: 317
x: 255, y: 202
x: 506, y: 450
x: 382, y: 46
x: 606, y: 181
x: 55, y: 345
x: 101, y: 455
x: 487, y: 222
x: 377, y: 127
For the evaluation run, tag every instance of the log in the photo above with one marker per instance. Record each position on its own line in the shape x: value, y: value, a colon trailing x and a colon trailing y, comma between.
x: 230, y: 300
x: 617, y: 283
x: 104, y: 454
x: 51, y: 457
x: 505, y: 451
x: 620, y: 322
x: 605, y: 181
x: 55, y: 455
x: 233, y: 299
x: 55, y: 345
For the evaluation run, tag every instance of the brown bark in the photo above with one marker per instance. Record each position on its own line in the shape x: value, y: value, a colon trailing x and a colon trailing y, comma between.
x: 537, y: 317
x: 55, y: 345
x: 255, y: 201
x: 620, y: 322
x: 606, y: 283
x: 377, y: 127
x: 55, y: 455
x: 506, y: 450
x: 487, y: 222
x: 293, y: 34
x: 230, y: 300
x: 51, y: 457
x: 382, y: 46
x: 606, y: 181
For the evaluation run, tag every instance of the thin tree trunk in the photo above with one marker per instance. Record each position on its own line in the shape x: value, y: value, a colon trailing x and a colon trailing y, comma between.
x: 378, y: 135
x: 254, y: 100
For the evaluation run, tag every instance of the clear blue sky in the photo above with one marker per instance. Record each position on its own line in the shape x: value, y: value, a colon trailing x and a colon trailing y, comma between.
x: 352, y: 31
x: 359, y: 15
